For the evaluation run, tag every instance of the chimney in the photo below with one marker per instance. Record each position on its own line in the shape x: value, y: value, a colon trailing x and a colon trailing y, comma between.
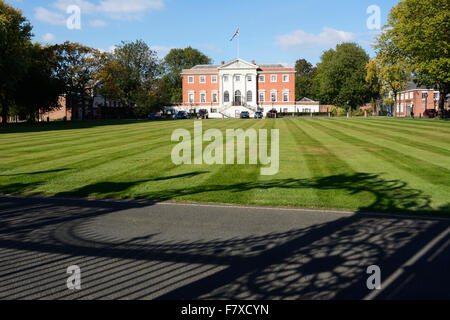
x: 253, y: 62
x: 223, y: 62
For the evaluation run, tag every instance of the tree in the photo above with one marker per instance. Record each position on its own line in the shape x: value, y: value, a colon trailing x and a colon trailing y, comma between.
x: 77, y: 67
x: 341, y: 76
x: 417, y: 32
x: 15, y: 38
x: 40, y: 83
x: 135, y: 67
x: 373, y: 80
x: 304, y: 79
x: 174, y: 62
x: 393, y: 77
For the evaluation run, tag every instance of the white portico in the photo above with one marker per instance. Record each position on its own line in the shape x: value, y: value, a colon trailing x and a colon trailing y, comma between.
x: 238, y: 86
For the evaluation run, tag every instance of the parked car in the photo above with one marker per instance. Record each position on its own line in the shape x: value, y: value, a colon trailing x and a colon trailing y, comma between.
x: 154, y: 115
x: 258, y: 115
x: 202, y: 114
x: 245, y: 115
x: 272, y: 114
x: 430, y: 113
x: 182, y: 115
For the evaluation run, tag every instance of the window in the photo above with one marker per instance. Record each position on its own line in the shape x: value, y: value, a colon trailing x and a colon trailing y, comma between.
x: 285, y: 78
x: 191, y: 97
x: 261, y: 78
x: 285, y: 110
x: 249, y: 96
x: 273, y: 78
x: 249, y: 78
x: 306, y: 110
x: 237, y: 98
x: 273, y: 96
x: 226, y: 96
x: 202, y: 79
x: 238, y: 78
x: 203, y: 97
x: 213, y: 79
x: 436, y: 96
x: 285, y: 96
x: 424, y: 95
x: 402, y: 97
x: 214, y: 96
x: 213, y: 110
x: 190, y: 79
x: 411, y: 95
x: 262, y: 96
x: 225, y: 78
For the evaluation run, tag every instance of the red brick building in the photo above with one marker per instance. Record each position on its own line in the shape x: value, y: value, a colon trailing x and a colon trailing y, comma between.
x: 416, y: 99
x: 227, y: 89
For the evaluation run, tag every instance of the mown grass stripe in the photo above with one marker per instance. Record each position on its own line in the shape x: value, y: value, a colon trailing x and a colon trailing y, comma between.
x: 415, y: 166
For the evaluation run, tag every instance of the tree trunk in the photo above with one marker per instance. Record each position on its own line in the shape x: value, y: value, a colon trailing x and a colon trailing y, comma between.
x: 4, y: 114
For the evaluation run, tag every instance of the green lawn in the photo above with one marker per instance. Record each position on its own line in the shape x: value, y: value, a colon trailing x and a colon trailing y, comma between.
x: 360, y: 164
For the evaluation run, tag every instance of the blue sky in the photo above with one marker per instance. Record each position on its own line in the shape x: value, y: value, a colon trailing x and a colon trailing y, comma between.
x: 270, y: 31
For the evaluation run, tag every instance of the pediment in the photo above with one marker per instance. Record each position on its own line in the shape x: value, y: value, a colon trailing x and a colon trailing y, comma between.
x: 238, y: 64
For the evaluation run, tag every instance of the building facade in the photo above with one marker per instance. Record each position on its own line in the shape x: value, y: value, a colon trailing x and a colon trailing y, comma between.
x: 227, y: 89
x: 416, y: 99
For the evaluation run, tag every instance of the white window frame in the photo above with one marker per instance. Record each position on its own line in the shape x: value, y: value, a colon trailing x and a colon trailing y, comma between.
x: 411, y: 95
x: 263, y: 77
x: 249, y: 78
x: 287, y: 76
x: 246, y: 96
x: 237, y: 78
x: 214, y: 92
x: 272, y: 76
x: 276, y: 96
x: 193, y: 96
x: 202, y: 78
x: 263, y: 95
x: 225, y: 78
x: 213, y: 79
x: 286, y: 92
x: 202, y: 94
x: 191, y: 79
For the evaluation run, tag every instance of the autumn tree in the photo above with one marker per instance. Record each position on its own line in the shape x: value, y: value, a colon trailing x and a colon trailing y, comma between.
x: 417, y: 33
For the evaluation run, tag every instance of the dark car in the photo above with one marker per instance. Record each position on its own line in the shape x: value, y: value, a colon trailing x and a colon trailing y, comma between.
x: 154, y: 115
x: 429, y: 113
x: 202, y: 114
x: 181, y: 115
x: 258, y: 115
x: 245, y: 115
x: 272, y: 114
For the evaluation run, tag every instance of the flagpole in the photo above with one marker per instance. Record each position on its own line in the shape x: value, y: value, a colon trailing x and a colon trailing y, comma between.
x: 239, y: 42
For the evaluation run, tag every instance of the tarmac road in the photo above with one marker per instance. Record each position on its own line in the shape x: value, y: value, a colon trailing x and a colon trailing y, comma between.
x: 150, y: 250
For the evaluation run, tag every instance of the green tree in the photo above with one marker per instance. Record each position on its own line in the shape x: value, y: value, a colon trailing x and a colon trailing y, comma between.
x: 177, y: 60
x: 393, y: 78
x: 77, y: 67
x: 134, y: 66
x: 341, y: 77
x: 40, y: 83
x: 304, y: 79
x: 15, y: 35
x: 417, y: 32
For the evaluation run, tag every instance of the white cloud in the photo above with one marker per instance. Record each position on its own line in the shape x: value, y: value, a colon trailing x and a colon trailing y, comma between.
x: 98, y: 23
x: 328, y: 37
x: 161, y: 51
x: 50, y: 17
x: 116, y: 9
x: 49, y: 37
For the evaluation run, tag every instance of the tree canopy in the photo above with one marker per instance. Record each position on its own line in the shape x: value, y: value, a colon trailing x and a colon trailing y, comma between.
x: 341, y: 76
x: 417, y: 35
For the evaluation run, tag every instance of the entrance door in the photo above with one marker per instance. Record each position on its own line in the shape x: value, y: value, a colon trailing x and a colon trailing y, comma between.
x: 237, y: 98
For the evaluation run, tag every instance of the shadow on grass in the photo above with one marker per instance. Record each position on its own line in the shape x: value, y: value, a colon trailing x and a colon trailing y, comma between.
x: 390, y: 195
x: 34, y: 173
x: 61, y: 125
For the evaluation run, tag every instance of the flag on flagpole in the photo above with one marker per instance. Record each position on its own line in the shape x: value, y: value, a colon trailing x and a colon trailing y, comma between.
x: 236, y: 34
